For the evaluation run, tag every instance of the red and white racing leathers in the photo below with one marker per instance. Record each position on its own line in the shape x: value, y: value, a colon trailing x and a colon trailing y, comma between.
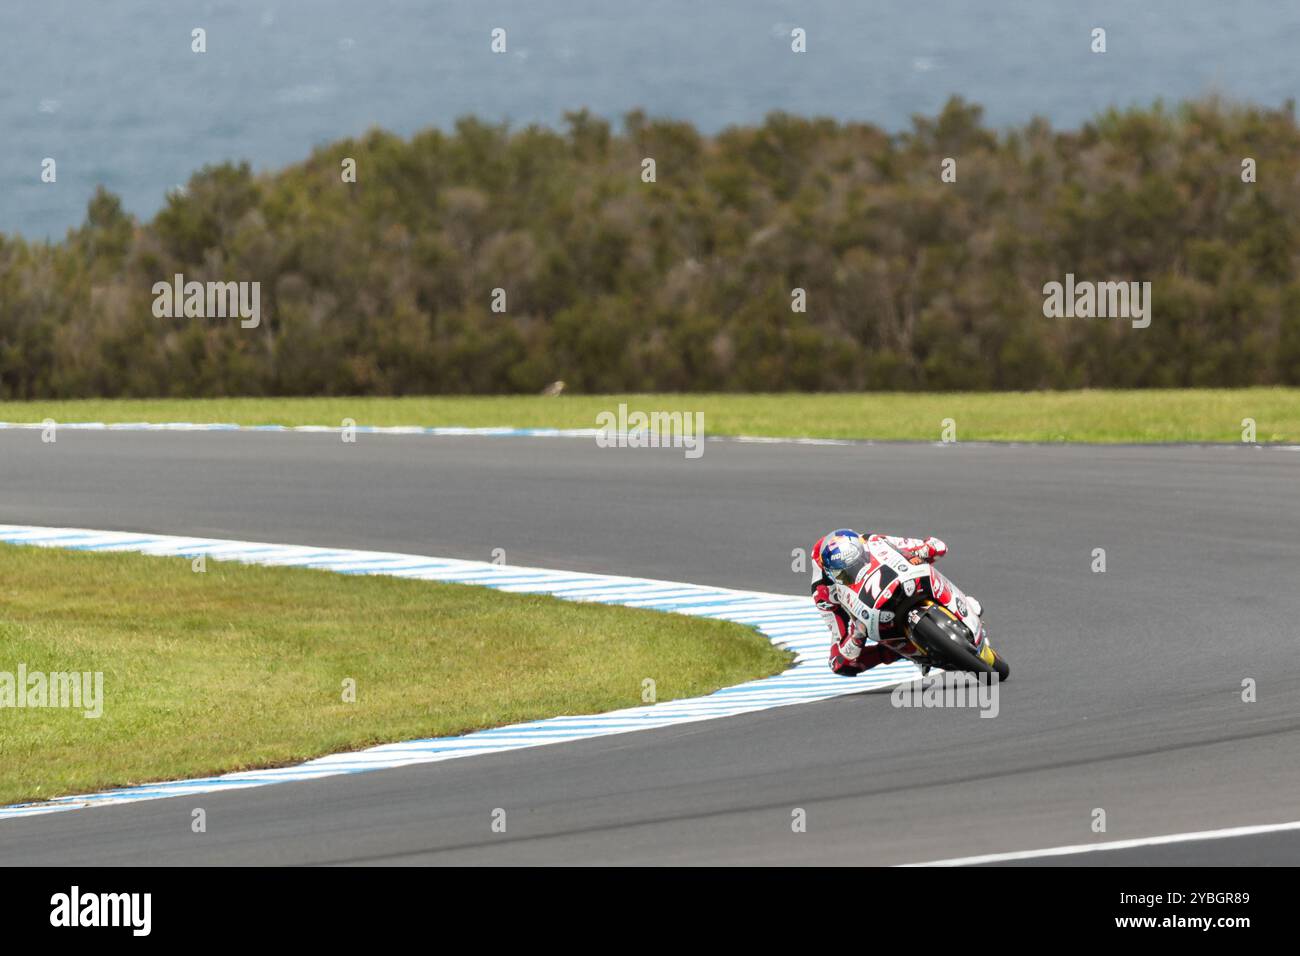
x: 850, y: 652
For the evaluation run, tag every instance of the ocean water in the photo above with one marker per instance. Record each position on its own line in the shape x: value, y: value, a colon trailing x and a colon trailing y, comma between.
x: 111, y: 90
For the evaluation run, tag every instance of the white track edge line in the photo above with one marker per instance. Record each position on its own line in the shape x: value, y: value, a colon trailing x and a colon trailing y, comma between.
x: 1079, y: 848
x: 507, y: 431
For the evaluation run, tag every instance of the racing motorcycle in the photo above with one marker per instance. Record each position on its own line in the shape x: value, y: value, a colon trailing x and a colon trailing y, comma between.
x: 934, y: 624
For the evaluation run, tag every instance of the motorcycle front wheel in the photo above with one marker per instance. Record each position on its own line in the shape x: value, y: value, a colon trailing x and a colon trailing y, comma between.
x: 946, y: 640
x: 1001, y: 667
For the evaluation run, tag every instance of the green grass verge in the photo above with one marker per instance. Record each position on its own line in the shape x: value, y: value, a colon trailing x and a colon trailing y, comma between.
x: 243, y: 666
x: 1191, y: 415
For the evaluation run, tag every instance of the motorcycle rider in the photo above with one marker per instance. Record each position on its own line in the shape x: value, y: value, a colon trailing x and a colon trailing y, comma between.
x: 840, y: 556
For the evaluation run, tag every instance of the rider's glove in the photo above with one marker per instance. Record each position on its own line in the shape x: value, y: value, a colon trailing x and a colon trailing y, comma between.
x: 935, y: 548
x: 822, y: 598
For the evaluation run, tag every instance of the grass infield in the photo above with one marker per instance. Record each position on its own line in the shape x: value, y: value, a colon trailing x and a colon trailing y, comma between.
x: 1184, y: 415
x: 243, y: 667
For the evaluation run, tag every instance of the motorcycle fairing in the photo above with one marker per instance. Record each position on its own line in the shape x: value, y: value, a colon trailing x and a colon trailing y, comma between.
x: 888, y: 568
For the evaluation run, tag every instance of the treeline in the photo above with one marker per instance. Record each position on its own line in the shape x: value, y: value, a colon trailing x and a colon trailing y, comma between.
x: 386, y: 285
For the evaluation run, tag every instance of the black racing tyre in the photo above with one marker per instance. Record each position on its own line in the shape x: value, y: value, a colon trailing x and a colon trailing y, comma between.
x: 1001, y: 667
x: 948, y: 643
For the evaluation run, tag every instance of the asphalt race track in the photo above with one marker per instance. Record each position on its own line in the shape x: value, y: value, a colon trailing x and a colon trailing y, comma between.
x: 1125, y: 693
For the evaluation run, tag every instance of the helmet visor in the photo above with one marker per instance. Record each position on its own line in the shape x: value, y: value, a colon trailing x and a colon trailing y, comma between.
x: 848, y: 574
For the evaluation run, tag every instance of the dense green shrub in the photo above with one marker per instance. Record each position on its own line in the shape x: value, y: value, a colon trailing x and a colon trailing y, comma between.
x: 385, y: 286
